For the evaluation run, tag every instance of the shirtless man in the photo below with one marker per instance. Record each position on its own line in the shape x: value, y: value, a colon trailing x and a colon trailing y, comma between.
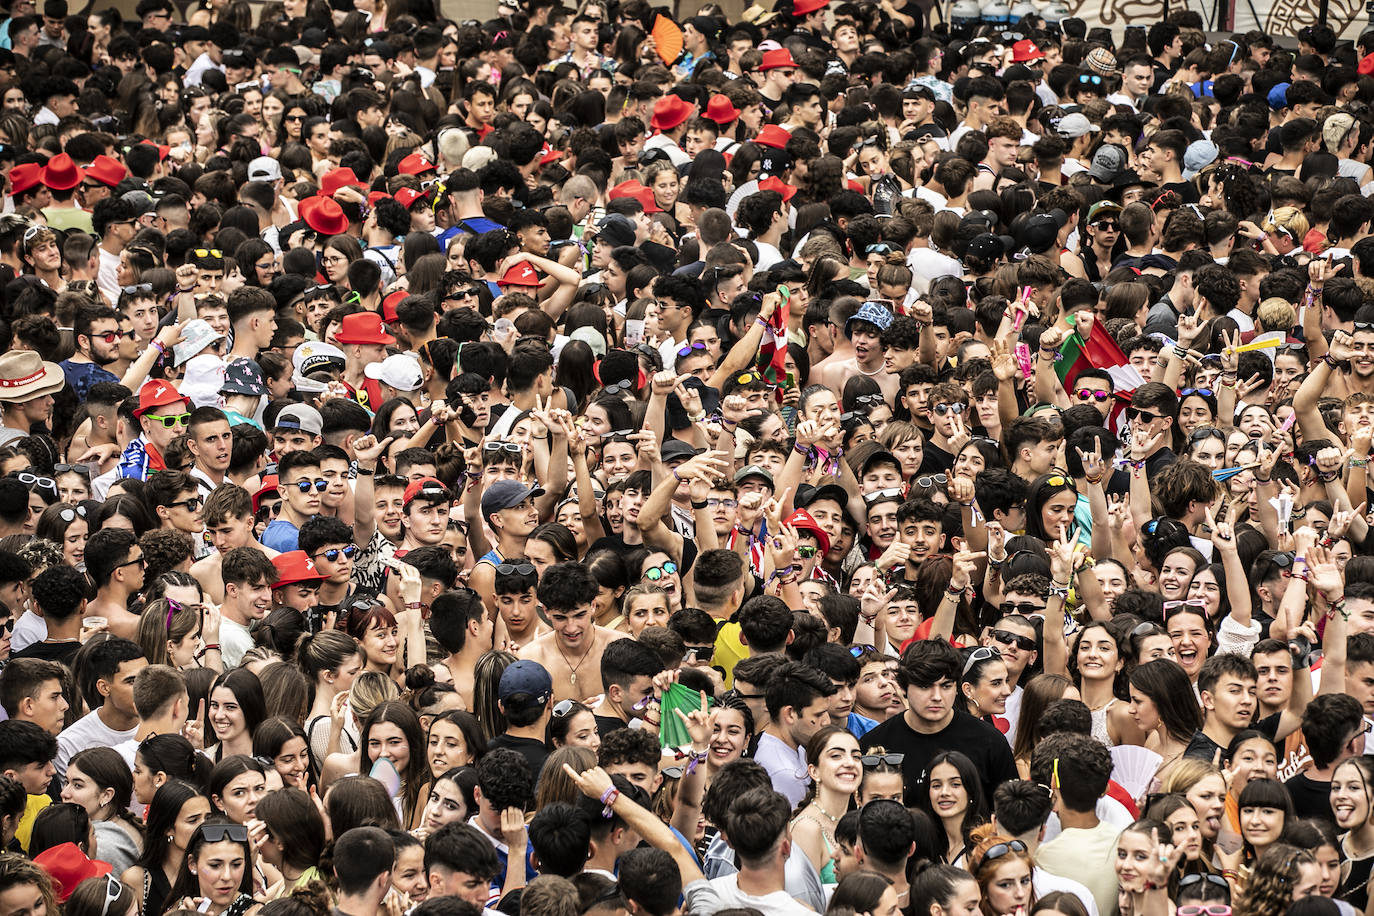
x: 229, y: 520
x: 572, y: 652
x: 462, y: 627
x: 865, y: 331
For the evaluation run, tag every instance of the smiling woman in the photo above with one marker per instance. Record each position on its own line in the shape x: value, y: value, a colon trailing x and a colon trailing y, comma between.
x: 833, y: 765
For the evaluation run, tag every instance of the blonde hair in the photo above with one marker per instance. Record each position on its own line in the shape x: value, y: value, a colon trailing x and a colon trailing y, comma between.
x: 370, y: 689
x: 1275, y: 314
x: 1289, y: 221
x: 1186, y: 773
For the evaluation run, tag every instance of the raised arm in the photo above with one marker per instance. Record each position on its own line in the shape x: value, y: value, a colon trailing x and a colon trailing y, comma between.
x: 367, y: 450
x: 743, y: 353
x: 965, y: 562
x: 595, y: 783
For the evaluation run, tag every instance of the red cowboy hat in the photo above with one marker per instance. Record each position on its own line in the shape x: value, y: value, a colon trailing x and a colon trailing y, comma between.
x: 720, y: 110
x: 338, y: 178
x: 640, y: 193
x: 414, y: 164
x: 772, y: 135
x: 363, y: 328
x: 773, y: 60
x: 107, y: 170
x: 772, y: 183
x: 669, y: 112
x: 23, y: 177
x: 61, y: 174
x: 323, y: 215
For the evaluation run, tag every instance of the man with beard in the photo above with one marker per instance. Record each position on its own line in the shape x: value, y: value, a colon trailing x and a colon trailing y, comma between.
x: 96, y: 329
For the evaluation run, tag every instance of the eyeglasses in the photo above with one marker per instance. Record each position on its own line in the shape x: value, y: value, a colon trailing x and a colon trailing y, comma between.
x: 136, y: 288
x: 1024, y: 608
x: 1002, y: 849
x: 515, y: 448
x: 109, y: 336
x: 934, y: 480
x: 654, y: 573
x: 320, y: 485
x: 29, y: 479
x: 72, y: 513
x: 170, y: 421
x: 980, y: 654
x: 516, y: 569
x: 876, y: 760
x: 942, y: 409
x: 1135, y: 413
x: 1085, y: 394
x: 715, y: 502
x: 217, y: 833
x: 1205, y: 392
x: 1007, y: 638
x: 333, y: 553
x: 113, y: 888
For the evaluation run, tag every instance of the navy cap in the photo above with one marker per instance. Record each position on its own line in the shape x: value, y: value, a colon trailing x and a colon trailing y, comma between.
x: 528, y: 678
x: 506, y: 493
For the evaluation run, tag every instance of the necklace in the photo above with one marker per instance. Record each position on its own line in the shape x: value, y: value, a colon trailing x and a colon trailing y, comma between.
x: 869, y: 374
x: 821, y: 809
x: 573, y: 680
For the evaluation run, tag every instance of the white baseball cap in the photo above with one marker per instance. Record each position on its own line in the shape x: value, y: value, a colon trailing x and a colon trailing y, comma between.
x: 400, y: 370
x: 264, y: 168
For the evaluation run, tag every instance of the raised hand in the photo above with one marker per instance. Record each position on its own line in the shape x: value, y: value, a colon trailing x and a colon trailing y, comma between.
x: 782, y: 547
x: 368, y: 450
x: 1339, y: 525
x: 1323, y: 574
x: 698, y: 723
x: 513, y: 827
x: 874, y: 599
x: 965, y: 563
x: 997, y: 544
x: 592, y: 783
x: 896, y: 554
x: 1342, y: 346
x: 1094, y: 468
x: 1003, y: 363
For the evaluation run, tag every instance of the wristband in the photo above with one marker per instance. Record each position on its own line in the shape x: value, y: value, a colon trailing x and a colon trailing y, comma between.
x: 608, y: 800
x: 212, y: 647
x: 159, y: 346
x: 191, y: 290
x: 1058, y: 591
x: 1358, y: 462
x: 369, y: 472
x: 953, y: 592
x: 698, y: 505
x: 693, y: 758
x: 1093, y: 480
x: 1328, y: 476
x: 1331, y: 361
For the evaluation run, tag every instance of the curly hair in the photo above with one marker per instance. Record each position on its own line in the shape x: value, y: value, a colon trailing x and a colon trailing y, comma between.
x: 1270, y: 888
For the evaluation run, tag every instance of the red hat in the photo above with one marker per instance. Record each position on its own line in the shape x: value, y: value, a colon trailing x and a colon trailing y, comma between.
x: 162, y: 151
x: 107, y: 170
x: 68, y: 866
x: 23, y: 177
x: 1365, y: 69
x: 640, y: 193
x: 432, y: 487
x: 803, y: 521
x: 720, y: 110
x: 806, y: 7
x: 338, y: 178
x: 522, y: 274
x: 854, y: 186
x: 363, y: 328
x: 1025, y: 50
x: 415, y: 164
x: 407, y: 196
x: 772, y: 183
x: 293, y: 568
x: 669, y: 112
x: 269, y: 485
x: 772, y: 60
x: 375, y: 196
x: 323, y: 215
x: 61, y: 174
x: 772, y: 135
x: 389, y: 305
x: 550, y: 155
x: 157, y: 393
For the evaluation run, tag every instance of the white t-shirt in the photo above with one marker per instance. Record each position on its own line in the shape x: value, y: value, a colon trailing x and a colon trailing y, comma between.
x: 88, y: 731
x: 233, y: 642
x: 704, y: 897
x: 28, y: 629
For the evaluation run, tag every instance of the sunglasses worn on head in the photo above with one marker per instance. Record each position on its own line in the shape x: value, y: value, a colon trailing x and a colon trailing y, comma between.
x: 934, y: 480
x: 701, y: 653
x: 208, y: 253
x: 875, y: 760
x: 980, y: 654
x: 1002, y: 849
x: 217, y: 833
x: 516, y: 569
x: 515, y: 448
x: 1205, y: 392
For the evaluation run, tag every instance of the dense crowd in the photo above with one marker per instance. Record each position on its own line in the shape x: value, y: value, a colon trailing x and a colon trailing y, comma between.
x: 599, y: 462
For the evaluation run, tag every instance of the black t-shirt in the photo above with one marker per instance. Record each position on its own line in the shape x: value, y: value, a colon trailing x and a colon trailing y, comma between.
x: 533, y: 751
x: 607, y: 724
x: 1204, y: 748
x: 935, y: 460
x: 1311, y: 798
x: 983, y: 743
x: 62, y: 652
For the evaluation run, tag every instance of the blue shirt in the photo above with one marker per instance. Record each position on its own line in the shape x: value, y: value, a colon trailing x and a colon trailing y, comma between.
x: 860, y: 725
x: 81, y: 376
x: 280, y: 535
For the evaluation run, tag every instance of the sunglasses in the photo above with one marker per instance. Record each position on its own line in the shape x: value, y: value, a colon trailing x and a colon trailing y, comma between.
x: 654, y: 573
x: 207, y: 253
x: 748, y: 378
x: 807, y: 551
x: 109, y: 336
x: 304, y: 485
x: 1090, y: 79
x: 333, y: 553
x: 1205, y: 392
x: 1024, y: 608
x: 879, y: 495
x: 1209, y: 909
x: 934, y: 480
x: 942, y: 409
x: 876, y: 760
x: 72, y: 513
x: 515, y: 448
x: 136, y: 288
x: 1135, y: 413
x: 29, y: 479
x: 980, y: 654
x: 1218, y: 880
x: 113, y: 888
x: 689, y: 349
x: 191, y: 505
x: 1205, y: 432
x: 171, y: 421
x: 1106, y: 225
x: 563, y: 707
x: 1006, y: 638
x: 1100, y: 397
x: 72, y: 469
x: 1002, y: 849
x: 217, y: 833
x: 516, y: 569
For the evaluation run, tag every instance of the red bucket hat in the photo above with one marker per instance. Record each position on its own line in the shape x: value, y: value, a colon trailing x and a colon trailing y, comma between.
x: 157, y: 393
x: 772, y: 135
x: 414, y: 164
x: 323, y: 215
x: 772, y: 183
x: 806, y: 7
x: 522, y: 274
x: 294, y: 567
